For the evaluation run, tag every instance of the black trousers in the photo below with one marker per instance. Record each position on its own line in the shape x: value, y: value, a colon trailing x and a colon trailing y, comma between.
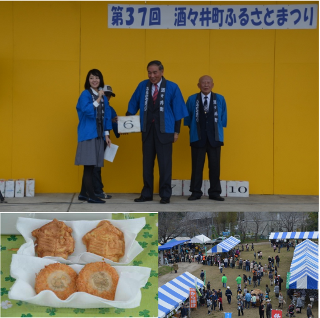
x: 96, y: 178
x: 152, y: 148
x: 198, y: 156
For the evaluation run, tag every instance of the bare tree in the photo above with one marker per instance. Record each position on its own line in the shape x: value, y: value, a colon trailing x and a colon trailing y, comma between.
x: 242, y: 225
x: 171, y: 225
x: 257, y: 221
x: 198, y: 223
x: 290, y: 220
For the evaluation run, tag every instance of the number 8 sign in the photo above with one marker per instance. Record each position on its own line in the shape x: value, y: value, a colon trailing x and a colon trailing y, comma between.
x: 128, y: 124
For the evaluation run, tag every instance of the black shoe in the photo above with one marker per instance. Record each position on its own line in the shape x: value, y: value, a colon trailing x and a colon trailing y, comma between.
x: 103, y: 195
x: 97, y: 200
x: 143, y: 199
x: 82, y: 197
x: 194, y: 197
x: 165, y: 200
x: 216, y: 198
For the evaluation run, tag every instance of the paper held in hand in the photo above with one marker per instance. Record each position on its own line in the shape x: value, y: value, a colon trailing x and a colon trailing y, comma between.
x: 128, y: 124
x: 110, y: 152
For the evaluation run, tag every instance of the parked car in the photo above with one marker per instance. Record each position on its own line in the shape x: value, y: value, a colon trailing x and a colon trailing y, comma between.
x: 237, y: 236
x: 220, y: 239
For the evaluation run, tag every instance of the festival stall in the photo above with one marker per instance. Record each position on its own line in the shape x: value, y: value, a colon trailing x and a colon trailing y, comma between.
x: 171, y: 244
x: 172, y: 294
x: 304, y: 266
x: 293, y: 235
x: 168, y: 246
x: 225, y: 246
x: 201, y: 239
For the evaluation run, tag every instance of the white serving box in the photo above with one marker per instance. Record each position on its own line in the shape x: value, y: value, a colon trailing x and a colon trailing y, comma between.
x: 19, y: 188
x: 24, y: 269
x: 9, y: 189
x: 237, y: 188
x: 130, y: 229
x: 176, y: 186
x: 30, y: 186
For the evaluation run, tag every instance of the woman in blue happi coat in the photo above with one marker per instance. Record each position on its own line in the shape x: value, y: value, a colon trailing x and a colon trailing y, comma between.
x: 94, y: 124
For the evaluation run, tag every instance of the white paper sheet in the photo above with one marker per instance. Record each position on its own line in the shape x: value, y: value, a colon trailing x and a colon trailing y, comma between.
x: 24, y: 269
x: 130, y: 229
x: 110, y: 152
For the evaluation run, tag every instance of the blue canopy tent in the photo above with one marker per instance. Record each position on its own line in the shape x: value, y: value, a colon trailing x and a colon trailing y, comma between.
x: 304, y: 267
x: 172, y: 294
x: 171, y: 244
x: 293, y: 235
x: 306, y: 246
x: 224, y: 246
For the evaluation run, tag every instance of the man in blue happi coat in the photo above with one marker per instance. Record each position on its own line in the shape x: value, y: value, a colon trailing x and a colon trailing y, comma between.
x: 207, y: 117
x: 161, y: 108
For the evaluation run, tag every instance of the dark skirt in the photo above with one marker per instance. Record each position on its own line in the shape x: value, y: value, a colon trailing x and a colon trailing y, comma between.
x: 90, y: 153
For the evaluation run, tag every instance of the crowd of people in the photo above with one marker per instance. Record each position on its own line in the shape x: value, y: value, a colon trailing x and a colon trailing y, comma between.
x: 249, y: 293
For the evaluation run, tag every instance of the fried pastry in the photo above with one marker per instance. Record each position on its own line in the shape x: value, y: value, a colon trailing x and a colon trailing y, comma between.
x: 105, y: 240
x: 59, y: 278
x: 99, y: 279
x: 54, y: 239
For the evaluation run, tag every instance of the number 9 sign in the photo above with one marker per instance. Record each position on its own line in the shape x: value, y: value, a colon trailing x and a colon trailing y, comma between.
x: 128, y: 124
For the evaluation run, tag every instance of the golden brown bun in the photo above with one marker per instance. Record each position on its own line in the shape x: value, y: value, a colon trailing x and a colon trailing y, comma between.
x: 99, y: 279
x: 54, y: 239
x: 105, y: 240
x: 59, y: 278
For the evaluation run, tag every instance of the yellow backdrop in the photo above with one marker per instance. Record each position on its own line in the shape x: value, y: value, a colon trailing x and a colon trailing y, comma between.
x: 268, y: 77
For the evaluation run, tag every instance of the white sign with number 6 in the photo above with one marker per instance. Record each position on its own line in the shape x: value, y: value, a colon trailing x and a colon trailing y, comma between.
x: 128, y: 124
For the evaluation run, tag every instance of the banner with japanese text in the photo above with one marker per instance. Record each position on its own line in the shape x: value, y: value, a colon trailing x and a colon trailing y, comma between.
x: 193, y: 298
x: 276, y: 313
x: 225, y: 17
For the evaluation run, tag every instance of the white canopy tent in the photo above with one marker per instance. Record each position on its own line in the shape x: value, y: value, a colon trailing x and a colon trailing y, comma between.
x: 200, y: 239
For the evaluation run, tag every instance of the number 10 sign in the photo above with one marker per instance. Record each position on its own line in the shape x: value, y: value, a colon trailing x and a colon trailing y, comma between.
x: 128, y: 124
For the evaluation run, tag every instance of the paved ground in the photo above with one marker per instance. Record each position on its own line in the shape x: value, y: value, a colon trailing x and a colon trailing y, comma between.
x: 123, y: 202
x: 183, y: 267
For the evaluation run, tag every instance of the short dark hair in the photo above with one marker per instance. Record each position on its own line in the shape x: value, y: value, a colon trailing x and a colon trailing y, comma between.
x: 94, y: 72
x: 158, y: 63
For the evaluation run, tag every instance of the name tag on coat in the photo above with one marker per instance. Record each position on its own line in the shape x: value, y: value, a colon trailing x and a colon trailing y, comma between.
x: 129, y: 124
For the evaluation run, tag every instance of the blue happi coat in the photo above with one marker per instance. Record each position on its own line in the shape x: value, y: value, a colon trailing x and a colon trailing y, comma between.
x: 174, y: 105
x: 190, y: 121
x: 87, y: 127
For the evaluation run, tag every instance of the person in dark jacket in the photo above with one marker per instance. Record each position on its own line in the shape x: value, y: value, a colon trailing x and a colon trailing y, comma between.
x: 161, y: 106
x: 269, y: 308
x: 261, y: 310
x: 240, y: 306
x: 228, y: 294
x: 309, y: 311
x: 184, y: 311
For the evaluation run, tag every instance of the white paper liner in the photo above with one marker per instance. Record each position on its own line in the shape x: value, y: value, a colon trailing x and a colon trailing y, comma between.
x: 130, y: 229
x: 24, y: 269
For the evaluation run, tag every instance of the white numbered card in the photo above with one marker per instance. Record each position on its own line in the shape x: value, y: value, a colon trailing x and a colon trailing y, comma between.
x: 128, y: 124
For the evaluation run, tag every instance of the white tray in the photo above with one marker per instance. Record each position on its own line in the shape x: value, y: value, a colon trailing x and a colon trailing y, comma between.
x: 130, y: 229
x: 24, y: 269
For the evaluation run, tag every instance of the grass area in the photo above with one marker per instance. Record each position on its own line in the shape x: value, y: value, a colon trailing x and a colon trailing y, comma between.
x: 214, y: 276
x: 164, y: 270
